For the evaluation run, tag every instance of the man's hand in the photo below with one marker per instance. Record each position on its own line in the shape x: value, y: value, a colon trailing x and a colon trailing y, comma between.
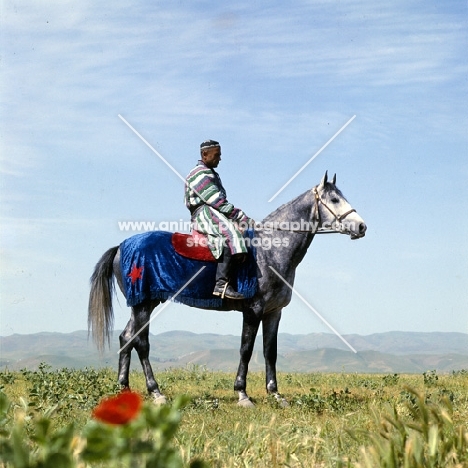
x: 244, y: 225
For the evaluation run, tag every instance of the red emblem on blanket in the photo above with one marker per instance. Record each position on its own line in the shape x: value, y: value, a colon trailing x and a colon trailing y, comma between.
x: 136, y: 273
x: 192, y: 246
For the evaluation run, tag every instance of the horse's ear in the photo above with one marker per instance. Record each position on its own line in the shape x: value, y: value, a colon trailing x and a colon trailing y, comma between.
x: 325, y: 179
x: 334, y: 180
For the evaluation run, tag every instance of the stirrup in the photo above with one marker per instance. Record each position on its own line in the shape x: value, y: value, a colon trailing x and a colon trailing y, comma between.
x: 223, y: 292
x: 228, y: 293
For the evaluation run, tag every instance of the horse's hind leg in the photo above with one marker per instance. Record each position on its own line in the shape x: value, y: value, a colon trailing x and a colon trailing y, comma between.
x: 136, y: 335
x: 125, y: 338
x: 125, y: 352
x: 142, y: 318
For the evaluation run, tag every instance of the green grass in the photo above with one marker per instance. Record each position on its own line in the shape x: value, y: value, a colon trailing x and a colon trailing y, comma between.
x: 332, y: 420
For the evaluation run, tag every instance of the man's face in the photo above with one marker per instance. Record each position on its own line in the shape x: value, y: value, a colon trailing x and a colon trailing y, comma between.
x: 211, y: 157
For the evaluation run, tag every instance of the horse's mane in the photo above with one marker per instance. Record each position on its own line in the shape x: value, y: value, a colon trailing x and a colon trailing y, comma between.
x: 287, y: 205
x: 328, y: 189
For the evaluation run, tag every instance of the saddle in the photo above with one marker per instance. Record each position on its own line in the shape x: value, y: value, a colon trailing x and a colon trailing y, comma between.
x: 193, y: 246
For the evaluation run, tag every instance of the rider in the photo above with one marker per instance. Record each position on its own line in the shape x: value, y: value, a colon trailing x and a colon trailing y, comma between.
x: 215, y: 217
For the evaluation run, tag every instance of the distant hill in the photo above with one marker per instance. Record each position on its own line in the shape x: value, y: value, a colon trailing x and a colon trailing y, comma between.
x: 392, y: 352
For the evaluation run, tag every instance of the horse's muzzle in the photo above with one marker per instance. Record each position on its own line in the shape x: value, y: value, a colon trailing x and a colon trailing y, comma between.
x: 362, y: 228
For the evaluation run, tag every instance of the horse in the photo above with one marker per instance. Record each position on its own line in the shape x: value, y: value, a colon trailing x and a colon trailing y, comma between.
x: 283, y: 238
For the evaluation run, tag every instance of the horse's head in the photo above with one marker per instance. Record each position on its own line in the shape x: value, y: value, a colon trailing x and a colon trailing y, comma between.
x: 333, y: 211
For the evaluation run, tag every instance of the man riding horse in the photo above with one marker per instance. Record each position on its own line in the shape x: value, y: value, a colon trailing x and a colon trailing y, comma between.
x: 213, y: 216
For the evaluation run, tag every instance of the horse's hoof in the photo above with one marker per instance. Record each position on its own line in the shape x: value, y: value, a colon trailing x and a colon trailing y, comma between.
x: 159, y: 399
x: 245, y: 403
x: 283, y: 403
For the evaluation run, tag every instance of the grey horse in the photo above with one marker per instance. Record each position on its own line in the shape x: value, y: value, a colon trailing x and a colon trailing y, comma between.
x: 283, y: 238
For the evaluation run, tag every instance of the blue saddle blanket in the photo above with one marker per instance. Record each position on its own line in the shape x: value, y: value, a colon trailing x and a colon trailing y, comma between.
x: 152, y: 269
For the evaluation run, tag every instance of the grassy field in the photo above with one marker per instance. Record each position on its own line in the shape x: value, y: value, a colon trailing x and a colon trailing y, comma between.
x: 333, y: 419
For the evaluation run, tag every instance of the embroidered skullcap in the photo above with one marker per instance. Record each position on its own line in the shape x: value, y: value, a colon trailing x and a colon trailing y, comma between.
x: 209, y: 144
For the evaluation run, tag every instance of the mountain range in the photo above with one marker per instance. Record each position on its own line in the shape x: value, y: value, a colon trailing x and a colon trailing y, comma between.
x: 390, y: 352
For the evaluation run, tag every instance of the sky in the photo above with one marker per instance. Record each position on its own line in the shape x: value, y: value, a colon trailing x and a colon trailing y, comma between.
x: 273, y: 82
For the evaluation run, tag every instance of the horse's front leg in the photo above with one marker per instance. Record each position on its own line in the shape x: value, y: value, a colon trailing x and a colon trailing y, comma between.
x: 249, y: 332
x: 270, y: 325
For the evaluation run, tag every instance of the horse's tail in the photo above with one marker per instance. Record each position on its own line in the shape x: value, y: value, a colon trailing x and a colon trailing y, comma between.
x: 100, y: 311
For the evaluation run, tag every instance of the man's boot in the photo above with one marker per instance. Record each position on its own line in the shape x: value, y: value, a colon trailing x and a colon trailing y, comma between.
x: 222, y: 287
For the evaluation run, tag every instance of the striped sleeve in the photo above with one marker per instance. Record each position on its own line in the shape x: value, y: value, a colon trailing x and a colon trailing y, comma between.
x: 201, y: 188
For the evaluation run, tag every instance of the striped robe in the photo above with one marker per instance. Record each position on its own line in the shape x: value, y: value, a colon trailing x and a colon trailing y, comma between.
x: 212, y: 214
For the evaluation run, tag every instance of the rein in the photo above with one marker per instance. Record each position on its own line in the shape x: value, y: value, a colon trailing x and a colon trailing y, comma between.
x: 316, y: 218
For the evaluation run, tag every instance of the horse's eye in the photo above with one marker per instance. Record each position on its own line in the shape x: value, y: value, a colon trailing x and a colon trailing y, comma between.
x: 335, y: 200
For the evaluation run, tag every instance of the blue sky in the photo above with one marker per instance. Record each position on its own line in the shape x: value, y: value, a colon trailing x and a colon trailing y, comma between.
x: 272, y: 81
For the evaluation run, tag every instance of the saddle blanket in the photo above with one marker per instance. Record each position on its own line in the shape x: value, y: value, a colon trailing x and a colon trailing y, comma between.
x: 152, y: 269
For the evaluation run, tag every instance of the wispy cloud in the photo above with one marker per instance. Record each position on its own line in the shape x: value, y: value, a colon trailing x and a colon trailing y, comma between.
x: 160, y: 64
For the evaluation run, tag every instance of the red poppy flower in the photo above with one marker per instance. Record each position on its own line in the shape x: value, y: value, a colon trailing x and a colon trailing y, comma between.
x: 119, y: 409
